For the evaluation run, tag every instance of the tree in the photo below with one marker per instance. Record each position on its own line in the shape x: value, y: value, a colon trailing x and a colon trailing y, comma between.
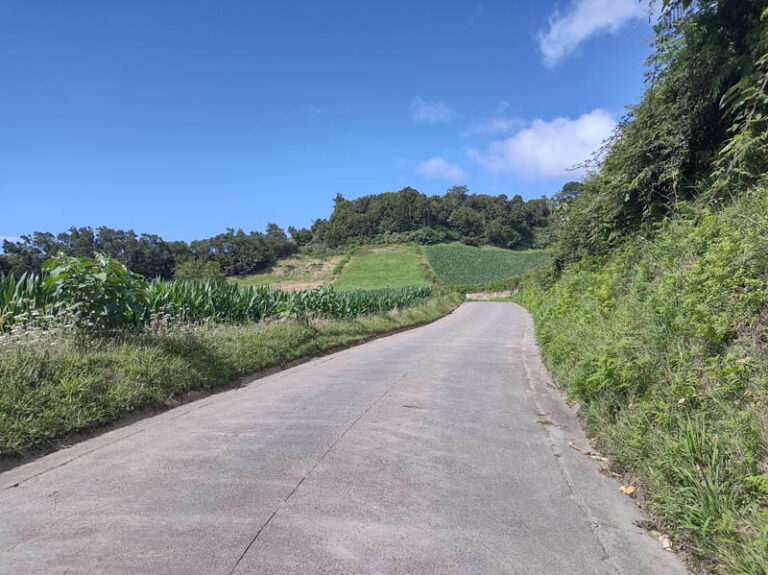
x: 569, y: 192
x: 703, y: 118
x: 198, y: 269
x: 300, y: 236
x: 466, y: 221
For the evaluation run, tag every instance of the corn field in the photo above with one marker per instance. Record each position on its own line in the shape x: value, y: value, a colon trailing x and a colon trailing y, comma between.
x: 102, y: 294
x: 227, y: 302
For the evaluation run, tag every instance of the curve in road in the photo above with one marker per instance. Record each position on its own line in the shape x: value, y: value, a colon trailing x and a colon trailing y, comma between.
x: 439, y: 450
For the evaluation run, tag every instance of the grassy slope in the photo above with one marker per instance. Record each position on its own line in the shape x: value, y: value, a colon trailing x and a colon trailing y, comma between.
x: 52, y: 387
x: 664, y: 346
x: 295, y: 272
x: 457, y: 264
x: 385, y: 266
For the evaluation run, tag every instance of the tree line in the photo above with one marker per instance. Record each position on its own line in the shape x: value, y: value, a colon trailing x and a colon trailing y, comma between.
x: 404, y: 216
x: 232, y: 253
x: 457, y: 215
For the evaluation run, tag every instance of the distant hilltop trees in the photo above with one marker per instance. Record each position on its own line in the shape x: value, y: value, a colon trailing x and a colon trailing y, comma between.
x: 404, y: 216
x: 409, y: 215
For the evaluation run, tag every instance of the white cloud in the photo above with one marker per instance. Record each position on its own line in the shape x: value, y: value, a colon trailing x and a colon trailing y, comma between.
x: 547, y: 149
x: 430, y: 112
x: 582, y: 20
x: 438, y: 168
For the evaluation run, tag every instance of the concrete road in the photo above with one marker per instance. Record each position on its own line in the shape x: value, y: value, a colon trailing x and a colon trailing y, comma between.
x: 439, y: 450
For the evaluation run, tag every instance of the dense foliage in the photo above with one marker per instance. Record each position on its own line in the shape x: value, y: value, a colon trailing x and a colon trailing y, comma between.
x: 457, y: 264
x: 698, y: 132
x: 102, y: 295
x: 664, y: 346
x: 199, y: 269
x: 235, y: 252
x: 408, y: 215
x: 653, y: 316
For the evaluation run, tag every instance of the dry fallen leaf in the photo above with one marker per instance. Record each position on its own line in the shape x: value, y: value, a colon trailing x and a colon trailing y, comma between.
x: 665, y: 542
x: 608, y: 473
x: 591, y: 454
x: 628, y: 490
x: 681, y: 401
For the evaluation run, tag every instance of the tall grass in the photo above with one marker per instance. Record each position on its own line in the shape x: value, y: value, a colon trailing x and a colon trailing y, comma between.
x: 664, y: 343
x: 52, y: 385
x: 194, y: 301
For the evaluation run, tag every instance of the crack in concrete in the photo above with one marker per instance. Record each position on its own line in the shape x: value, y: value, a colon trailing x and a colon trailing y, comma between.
x: 308, y: 473
x: 551, y: 432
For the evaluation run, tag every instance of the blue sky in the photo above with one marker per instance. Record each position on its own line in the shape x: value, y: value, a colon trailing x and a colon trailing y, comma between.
x: 185, y: 117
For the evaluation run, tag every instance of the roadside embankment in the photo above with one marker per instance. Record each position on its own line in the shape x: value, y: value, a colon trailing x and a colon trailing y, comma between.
x: 663, y: 345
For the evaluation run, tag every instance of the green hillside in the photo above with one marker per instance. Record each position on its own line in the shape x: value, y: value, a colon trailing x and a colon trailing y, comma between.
x: 392, y: 266
x: 457, y: 264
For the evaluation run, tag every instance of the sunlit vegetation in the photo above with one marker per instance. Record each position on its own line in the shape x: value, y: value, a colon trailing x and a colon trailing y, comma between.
x: 653, y: 314
x: 392, y: 266
x: 400, y: 217
x: 102, y: 295
x: 53, y: 383
x: 457, y: 264
x: 89, y: 340
x: 298, y: 271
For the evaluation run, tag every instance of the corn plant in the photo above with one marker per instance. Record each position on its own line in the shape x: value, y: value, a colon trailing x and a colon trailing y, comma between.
x: 103, y: 295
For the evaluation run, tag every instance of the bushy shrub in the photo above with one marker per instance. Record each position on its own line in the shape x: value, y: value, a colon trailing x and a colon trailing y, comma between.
x: 198, y: 269
x: 102, y: 293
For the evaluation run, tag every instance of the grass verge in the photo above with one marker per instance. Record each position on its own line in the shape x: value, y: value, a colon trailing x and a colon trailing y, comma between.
x: 663, y: 343
x: 53, y: 387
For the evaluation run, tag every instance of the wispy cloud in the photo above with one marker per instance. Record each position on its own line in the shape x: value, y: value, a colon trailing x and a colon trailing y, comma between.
x: 316, y: 111
x: 431, y: 112
x: 498, y: 127
x: 439, y: 168
x: 582, y: 20
x: 547, y: 149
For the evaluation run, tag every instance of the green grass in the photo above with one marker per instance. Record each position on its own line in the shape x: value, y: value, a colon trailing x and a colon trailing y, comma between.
x: 52, y: 385
x: 373, y: 267
x: 664, y: 345
x: 456, y: 264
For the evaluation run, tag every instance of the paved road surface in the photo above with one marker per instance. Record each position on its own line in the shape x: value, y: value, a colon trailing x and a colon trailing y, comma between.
x: 419, y: 453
